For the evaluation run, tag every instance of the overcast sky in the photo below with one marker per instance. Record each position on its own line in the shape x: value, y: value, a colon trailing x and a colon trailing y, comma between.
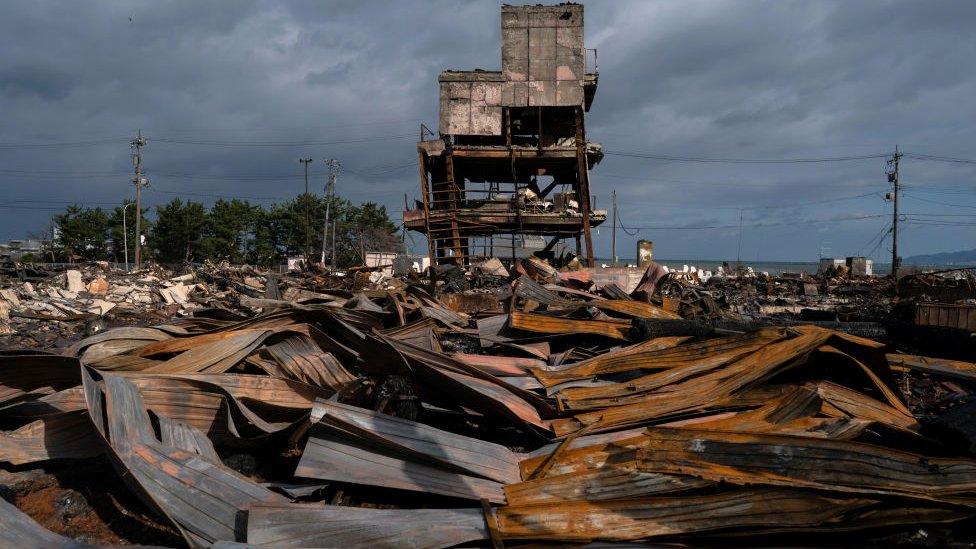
x: 224, y: 89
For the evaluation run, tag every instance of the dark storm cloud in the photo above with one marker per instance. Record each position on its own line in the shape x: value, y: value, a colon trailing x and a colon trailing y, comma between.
x: 701, y: 79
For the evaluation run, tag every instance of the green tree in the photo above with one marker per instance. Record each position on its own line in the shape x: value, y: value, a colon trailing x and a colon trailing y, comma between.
x: 82, y: 233
x: 230, y: 229
x: 178, y: 231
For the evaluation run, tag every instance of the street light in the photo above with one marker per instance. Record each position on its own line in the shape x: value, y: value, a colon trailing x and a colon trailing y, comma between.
x: 125, y: 236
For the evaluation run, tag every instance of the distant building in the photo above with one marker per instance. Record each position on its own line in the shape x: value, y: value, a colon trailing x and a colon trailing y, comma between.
x: 16, y: 249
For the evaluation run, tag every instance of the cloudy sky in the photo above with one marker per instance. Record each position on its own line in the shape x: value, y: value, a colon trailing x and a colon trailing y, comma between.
x: 232, y: 93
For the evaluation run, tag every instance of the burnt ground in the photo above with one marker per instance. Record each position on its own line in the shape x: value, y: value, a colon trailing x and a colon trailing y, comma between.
x: 86, y: 501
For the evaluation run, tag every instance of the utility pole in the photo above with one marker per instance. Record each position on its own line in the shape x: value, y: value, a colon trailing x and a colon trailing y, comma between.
x: 893, y: 179
x: 305, y: 199
x: 139, y: 182
x: 738, y: 253
x: 333, y: 165
x: 613, y: 230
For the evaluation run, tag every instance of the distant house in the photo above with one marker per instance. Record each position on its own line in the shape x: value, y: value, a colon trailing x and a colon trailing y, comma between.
x: 16, y: 249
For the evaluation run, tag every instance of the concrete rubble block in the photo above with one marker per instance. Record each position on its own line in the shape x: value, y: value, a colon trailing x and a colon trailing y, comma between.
x: 5, y: 318
x: 10, y: 296
x: 73, y: 281
x: 98, y: 286
x: 492, y: 267
x: 100, y: 306
x: 175, y: 294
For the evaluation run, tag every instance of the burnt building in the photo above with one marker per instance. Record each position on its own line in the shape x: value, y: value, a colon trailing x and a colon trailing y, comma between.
x: 512, y: 158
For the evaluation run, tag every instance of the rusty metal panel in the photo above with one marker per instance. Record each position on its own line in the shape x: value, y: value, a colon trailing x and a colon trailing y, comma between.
x: 350, y: 444
x: 475, y: 456
x: 634, y: 519
x: 947, y: 315
x: 201, y: 498
x: 956, y: 369
x: 619, y: 481
x: 298, y: 525
x: 792, y: 461
x: 555, y: 325
x: 66, y: 435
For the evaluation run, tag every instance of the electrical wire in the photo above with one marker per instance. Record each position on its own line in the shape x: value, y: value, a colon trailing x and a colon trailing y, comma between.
x: 756, y: 225
x: 209, y: 143
x: 935, y: 158
x: 651, y: 156
x: 913, y: 197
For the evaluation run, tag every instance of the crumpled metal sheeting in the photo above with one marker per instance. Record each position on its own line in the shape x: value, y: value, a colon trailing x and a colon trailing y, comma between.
x: 115, y: 341
x: 298, y: 525
x: 62, y: 436
x: 665, y: 353
x: 29, y: 376
x: 631, y: 357
x: 635, y: 519
x: 631, y: 390
x: 808, y: 410
x: 330, y: 455
x: 956, y: 369
x: 554, y: 325
x: 794, y: 461
x: 299, y: 358
x: 215, y: 356
x: 206, y: 501
x: 632, y: 309
x: 472, y: 387
x: 472, y: 455
x: 708, y: 391
x: 501, y: 366
x: 618, y: 481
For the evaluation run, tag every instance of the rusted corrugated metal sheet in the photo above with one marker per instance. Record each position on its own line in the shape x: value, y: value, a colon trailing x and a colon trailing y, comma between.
x: 296, y: 525
x: 66, y: 435
x: 203, y: 499
x: 618, y: 481
x: 797, y: 461
x: 634, y: 519
x: 955, y: 369
x: 631, y: 308
x: 500, y: 365
x: 349, y: 444
x: 543, y: 324
x: 475, y: 456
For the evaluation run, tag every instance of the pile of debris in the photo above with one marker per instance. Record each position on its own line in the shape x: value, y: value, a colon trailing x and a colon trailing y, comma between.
x: 284, y: 410
x: 43, y: 310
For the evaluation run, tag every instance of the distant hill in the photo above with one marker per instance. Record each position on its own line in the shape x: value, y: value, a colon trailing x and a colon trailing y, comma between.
x: 965, y: 257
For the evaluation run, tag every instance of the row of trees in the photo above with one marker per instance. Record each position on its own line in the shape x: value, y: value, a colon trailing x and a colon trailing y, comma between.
x: 232, y: 230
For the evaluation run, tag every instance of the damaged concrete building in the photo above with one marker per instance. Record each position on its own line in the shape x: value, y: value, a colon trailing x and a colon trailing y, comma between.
x: 512, y: 158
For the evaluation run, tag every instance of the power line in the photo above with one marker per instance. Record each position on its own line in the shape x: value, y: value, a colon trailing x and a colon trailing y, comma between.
x: 939, y: 203
x: 107, y: 141
x: 651, y: 156
x: 934, y: 158
x: 758, y: 225
x: 209, y: 143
